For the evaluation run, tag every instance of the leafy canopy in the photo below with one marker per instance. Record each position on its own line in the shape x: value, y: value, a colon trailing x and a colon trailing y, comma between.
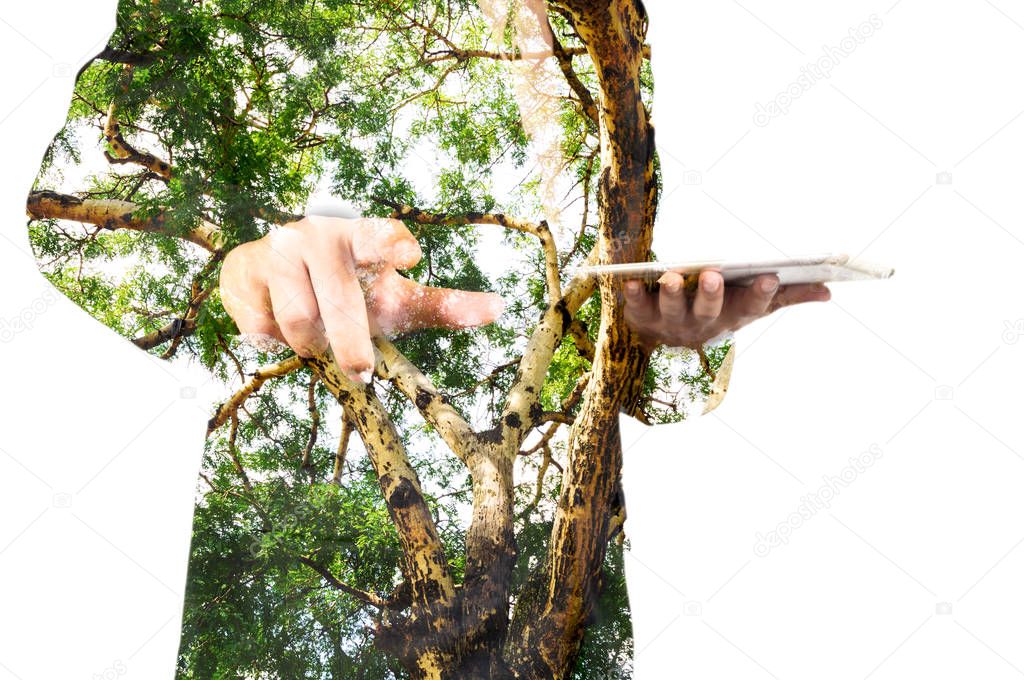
x: 253, y: 106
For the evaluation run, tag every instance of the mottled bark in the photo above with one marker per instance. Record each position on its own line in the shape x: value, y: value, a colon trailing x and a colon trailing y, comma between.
x: 543, y: 638
x: 114, y: 214
x: 549, y: 622
x: 121, y: 151
x: 425, y: 636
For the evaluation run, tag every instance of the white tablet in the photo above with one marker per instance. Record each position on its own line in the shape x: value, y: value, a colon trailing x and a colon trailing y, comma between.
x: 804, y: 269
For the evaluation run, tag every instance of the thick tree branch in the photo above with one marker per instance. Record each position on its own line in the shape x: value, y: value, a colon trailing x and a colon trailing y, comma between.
x: 425, y: 565
x: 579, y: 335
x: 425, y: 638
x: 522, y: 406
x: 114, y: 214
x: 123, y: 152
x: 490, y: 539
x: 540, y: 230
x: 394, y: 366
x: 548, y: 624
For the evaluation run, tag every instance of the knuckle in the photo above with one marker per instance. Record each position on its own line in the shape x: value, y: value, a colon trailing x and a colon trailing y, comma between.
x: 704, y: 316
x: 365, y: 250
x: 367, y: 256
x: 300, y: 323
x: 236, y: 256
x: 673, y: 312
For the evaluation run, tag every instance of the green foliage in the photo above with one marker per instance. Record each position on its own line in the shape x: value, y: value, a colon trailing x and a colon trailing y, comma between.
x: 254, y: 105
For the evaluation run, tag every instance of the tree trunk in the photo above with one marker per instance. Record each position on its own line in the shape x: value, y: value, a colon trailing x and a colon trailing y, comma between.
x: 490, y: 557
x: 550, y: 618
x: 464, y: 632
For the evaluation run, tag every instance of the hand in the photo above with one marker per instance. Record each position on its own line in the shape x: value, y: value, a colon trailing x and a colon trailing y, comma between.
x: 328, y: 281
x: 669, y: 318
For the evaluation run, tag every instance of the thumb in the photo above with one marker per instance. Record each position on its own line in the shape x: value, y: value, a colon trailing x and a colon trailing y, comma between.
x: 796, y: 294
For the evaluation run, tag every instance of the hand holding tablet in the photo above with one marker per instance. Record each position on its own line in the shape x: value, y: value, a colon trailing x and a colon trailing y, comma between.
x: 685, y: 304
x: 822, y: 268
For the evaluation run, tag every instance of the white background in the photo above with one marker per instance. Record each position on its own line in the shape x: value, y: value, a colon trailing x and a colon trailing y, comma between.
x: 101, y: 443
x: 912, y: 571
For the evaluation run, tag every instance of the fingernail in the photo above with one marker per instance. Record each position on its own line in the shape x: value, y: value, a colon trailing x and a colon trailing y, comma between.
x: 672, y: 287
x: 769, y: 285
x: 365, y: 376
x: 632, y: 288
x: 710, y: 284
